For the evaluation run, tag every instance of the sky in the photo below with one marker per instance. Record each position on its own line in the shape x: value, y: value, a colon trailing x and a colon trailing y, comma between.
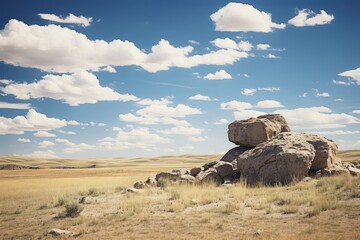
x: 149, y: 78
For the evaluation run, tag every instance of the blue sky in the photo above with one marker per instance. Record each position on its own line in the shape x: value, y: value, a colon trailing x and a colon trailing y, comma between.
x: 147, y: 78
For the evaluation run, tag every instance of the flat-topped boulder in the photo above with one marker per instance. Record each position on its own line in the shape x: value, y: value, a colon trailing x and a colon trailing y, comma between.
x: 253, y: 131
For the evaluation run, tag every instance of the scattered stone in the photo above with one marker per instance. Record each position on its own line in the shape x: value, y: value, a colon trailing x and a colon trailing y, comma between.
x: 187, y: 178
x: 195, y: 171
x: 280, y: 160
x: 354, y: 171
x: 139, y: 185
x: 58, y: 232
x: 151, y: 182
x: 171, y: 176
x: 233, y: 153
x: 206, y: 166
x: 209, y: 175
x: 224, y: 169
x: 87, y: 200
x: 253, y: 131
x: 133, y: 190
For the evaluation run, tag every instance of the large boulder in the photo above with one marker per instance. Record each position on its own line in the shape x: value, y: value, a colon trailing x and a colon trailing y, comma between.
x: 233, y: 153
x: 225, y: 169
x: 209, y: 175
x: 280, y: 160
x: 326, y: 150
x: 253, y: 131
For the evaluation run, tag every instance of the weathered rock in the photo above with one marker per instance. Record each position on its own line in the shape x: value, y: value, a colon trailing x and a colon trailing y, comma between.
x: 139, y: 185
x: 206, y: 166
x: 280, y: 160
x: 151, y: 182
x: 209, y: 175
x: 326, y: 150
x: 195, y: 171
x: 172, y: 176
x: 181, y: 171
x: 58, y: 232
x: 233, y: 153
x: 224, y: 169
x: 338, y: 170
x: 354, y: 171
x: 187, y: 178
x: 87, y: 200
x: 253, y: 131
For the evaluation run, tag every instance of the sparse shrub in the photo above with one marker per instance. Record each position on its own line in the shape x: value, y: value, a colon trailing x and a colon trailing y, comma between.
x: 93, y: 192
x: 289, y: 209
x: 230, y: 207
x: 43, y: 206
x: 72, y: 209
x: 61, y: 201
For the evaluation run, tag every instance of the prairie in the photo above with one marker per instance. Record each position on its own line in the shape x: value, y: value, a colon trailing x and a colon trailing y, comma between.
x: 33, y: 201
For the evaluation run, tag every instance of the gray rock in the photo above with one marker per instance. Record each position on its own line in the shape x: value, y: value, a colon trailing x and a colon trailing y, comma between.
x: 224, y: 169
x: 195, y: 171
x: 253, y: 131
x: 280, y: 160
x: 206, y: 166
x: 209, y: 175
x: 187, y: 178
x: 171, y: 176
x: 354, y: 171
x: 133, y: 190
x: 58, y: 232
x: 139, y: 185
x: 326, y: 150
x: 233, y: 153
x: 151, y: 182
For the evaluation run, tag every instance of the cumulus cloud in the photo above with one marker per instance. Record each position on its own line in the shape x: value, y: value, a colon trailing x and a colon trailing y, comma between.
x: 246, y: 114
x: 33, y: 121
x: 5, y: 81
x: 24, y: 140
x: 200, y: 97
x: 197, y: 139
x: 225, y: 43
x: 336, y: 132
x: 239, y: 17
x: 158, y: 111
x: 262, y: 46
x: 15, y: 105
x: 307, y: 17
x: 222, y: 121
x: 75, y: 89
x: 269, y: 89
x: 138, y: 138
x: 356, y: 111
x: 336, y: 82
x: 316, y: 118
x: 44, y: 134
x: 67, y: 132
x: 269, y: 104
x: 194, y: 42
x: 46, y: 144
x: 182, y: 130
x: 70, y: 19
x: 218, y: 75
x: 245, y: 46
x: 235, y: 105
x: 248, y: 91
x: 34, y: 46
x: 270, y: 55
x: 353, y: 74
x: 74, y: 147
x: 320, y: 94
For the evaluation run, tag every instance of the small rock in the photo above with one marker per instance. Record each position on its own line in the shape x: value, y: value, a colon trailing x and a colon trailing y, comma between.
x: 209, y: 175
x: 151, y: 182
x: 224, y: 169
x: 187, y: 178
x: 354, y: 171
x: 195, y: 171
x: 206, y: 166
x: 133, y: 190
x: 139, y: 185
x: 87, y: 200
x: 58, y: 232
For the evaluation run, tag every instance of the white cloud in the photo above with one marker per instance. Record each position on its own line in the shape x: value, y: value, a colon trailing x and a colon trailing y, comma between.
x: 316, y: 118
x: 71, y: 19
x: 5, y: 81
x: 307, y: 17
x: 262, y: 46
x: 239, y: 17
x: 269, y: 89
x: 353, y: 74
x: 235, y: 105
x: 44, y: 134
x: 101, y: 124
x: 15, y: 105
x: 67, y: 132
x: 200, y: 97
x: 304, y: 95
x: 42, y: 154
x: 109, y: 69
x: 182, y: 130
x: 74, y: 89
x: 222, y: 121
x: 248, y: 91
x: 194, y: 42
x: 246, y: 114
x: 24, y: 140
x: 33, y: 121
x: 269, y: 104
x: 46, y: 144
x: 246, y: 75
x: 339, y: 100
x: 197, y: 139
x: 225, y: 43
x: 179, y: 111
x: 74, y: 147
x: 137, y: 138
x: 356, y: 111
x: 34, y: 46
x: 270, y: 55
x: 218, y: 75
x: 319, y: 94
x: 341, y: 83
x: 245, y: 46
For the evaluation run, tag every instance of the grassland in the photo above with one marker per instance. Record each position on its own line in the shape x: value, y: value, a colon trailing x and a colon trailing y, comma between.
x: 33, y: 202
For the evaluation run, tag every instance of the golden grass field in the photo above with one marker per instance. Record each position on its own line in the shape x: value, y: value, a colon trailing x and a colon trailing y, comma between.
x: 32, y: 202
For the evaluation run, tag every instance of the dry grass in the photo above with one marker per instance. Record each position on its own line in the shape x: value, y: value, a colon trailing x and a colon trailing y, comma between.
x: 31, y: 200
